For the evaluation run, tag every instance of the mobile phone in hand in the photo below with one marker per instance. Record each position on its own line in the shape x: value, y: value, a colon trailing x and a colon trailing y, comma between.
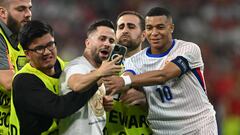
x: 116, y: 51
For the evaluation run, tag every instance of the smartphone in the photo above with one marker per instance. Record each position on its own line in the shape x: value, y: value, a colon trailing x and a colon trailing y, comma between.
x: 116, y: 51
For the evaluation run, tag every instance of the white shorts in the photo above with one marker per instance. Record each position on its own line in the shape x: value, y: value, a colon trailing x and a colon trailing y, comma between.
x: 208, y: 129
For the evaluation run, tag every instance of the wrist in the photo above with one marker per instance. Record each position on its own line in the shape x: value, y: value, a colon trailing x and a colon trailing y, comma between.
x: 127, y: 80
x: 97, y: 74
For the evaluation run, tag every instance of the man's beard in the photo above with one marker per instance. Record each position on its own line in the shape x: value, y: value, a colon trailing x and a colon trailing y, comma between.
x: 13, y: 25
x: 97, y: 59
x: 131, y: 45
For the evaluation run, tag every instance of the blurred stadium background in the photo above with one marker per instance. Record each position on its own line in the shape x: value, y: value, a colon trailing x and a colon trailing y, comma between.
x: 213, y: 24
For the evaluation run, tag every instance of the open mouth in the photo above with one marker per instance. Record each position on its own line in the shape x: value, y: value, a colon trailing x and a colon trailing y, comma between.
x: 104, y: 53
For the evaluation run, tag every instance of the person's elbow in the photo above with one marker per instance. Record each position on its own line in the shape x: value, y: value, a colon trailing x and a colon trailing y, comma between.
x: 74, y: 87
x: 7, y: 85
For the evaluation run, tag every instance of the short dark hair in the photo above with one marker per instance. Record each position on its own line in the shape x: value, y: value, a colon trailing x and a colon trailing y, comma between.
x: 32, y: 30
x: 102, y: 22
x: 159, y: 11
x: 142, y: 21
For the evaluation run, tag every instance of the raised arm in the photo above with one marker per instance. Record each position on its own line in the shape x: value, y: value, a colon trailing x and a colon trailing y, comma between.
x: 80, y: 82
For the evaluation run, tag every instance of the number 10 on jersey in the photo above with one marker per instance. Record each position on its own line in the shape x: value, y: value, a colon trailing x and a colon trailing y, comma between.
x: 165, y: 93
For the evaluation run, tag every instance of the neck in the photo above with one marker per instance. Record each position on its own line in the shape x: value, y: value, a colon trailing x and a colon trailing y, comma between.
x: 132, y: 52
x: 49, y: 72
x: 162, y: 49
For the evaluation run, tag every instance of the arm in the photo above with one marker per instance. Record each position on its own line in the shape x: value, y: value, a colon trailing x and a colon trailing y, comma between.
x: 6, y: 79
x: 155, y: 77
x: 81, y: 82
x: 6, y: 69
x: 31, y: 95
x: 173, y: 69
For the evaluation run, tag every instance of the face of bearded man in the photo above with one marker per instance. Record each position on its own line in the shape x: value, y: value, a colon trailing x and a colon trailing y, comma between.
x: 18, y: 13
x: 13, y: 24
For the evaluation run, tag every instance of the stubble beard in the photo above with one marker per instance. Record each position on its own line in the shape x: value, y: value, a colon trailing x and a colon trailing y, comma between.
x: 13, y: 24
x: 130, y: 44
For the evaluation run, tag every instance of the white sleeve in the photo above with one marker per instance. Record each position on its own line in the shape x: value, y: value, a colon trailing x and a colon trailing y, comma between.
x: 192, y: 53
x: 129, y: 66
x: 76, y: 69
x: 69, y: 71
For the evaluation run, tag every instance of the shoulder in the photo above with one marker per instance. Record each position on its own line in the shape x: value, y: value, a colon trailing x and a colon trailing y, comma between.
x: 26, y: 78
x: 185, y: 44
x: 138, y: 55
x: 3, y: 43
x: 78, y: 65
x: 79, y: 61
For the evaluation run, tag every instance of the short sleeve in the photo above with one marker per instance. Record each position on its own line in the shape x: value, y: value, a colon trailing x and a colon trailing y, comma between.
x: 129, y: 66
x: 192, y: 53
x: 4, y: 57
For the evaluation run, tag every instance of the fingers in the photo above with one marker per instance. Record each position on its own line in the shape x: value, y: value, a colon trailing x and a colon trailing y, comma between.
x: 115, y: 60
x: 108, y: 103
x: 133, y: 97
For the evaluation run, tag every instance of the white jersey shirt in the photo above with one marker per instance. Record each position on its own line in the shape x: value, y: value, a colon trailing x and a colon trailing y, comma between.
x: 181, y: 105
x: 90, y: 119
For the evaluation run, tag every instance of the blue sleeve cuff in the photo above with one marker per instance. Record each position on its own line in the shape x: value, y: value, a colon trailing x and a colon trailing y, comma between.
x: 129, y: 70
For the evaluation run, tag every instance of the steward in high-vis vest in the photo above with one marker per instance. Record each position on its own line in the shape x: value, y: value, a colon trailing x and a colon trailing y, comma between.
x: 35, y: 101
x: 13, y: 15
x: 12, y: 58
x: 51, y: 83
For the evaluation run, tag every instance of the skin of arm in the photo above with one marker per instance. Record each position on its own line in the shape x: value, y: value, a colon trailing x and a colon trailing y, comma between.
x: 155, y: 77
x: 6, y: 79
x: 81, y: 82
x: 114, y: 84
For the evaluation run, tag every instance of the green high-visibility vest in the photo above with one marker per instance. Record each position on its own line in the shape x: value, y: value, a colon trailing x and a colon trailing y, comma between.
x: 127, y: 120
x: 18, y: 60
x: 51, y: 83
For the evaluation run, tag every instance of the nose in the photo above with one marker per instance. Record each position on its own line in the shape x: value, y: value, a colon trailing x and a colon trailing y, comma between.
x: 107, y: 43
x: 125, y: 30
x: 154, y: 32
x: 28, y: 13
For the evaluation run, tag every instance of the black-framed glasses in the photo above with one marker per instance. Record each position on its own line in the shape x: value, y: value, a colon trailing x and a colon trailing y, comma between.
x: 41, y: 48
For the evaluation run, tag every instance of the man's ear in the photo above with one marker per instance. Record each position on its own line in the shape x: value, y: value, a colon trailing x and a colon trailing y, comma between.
x: 3, y: 13
x: 87, y: 43
x: 143, y: 36
x: 172, y: 28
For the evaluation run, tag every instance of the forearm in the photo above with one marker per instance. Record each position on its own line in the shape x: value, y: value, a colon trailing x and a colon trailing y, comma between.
x: 82, y: 82
x: 6, y: 79
x: 31, y: 95
x: 70, y: 103
x: 157, y: 76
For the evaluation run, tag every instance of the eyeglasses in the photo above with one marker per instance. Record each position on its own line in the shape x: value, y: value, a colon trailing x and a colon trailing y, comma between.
x: 41, y: 48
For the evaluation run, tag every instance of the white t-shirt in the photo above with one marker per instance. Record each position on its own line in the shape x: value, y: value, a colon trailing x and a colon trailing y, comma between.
x: 181, y: 104
x: 91, y: 118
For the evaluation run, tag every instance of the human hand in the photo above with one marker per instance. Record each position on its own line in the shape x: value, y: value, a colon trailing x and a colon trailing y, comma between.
x: 113, y: 84
x: 134, y: 97
x: 108, y: 103
x: 109, y: 67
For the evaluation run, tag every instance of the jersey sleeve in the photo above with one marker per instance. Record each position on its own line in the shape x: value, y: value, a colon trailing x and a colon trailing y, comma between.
x: 192, y: 53
x: 129, y: 66
x: 4, y: 58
